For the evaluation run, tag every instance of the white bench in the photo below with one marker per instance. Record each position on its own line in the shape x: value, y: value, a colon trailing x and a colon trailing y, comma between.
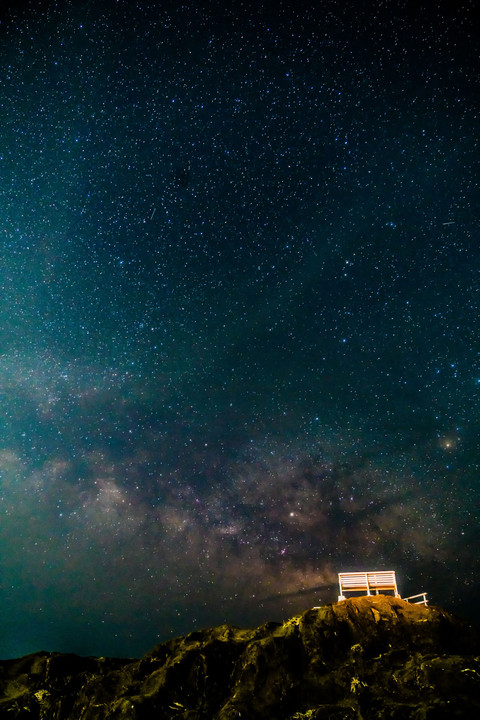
x: 373, y: 583
x: 368, y: 583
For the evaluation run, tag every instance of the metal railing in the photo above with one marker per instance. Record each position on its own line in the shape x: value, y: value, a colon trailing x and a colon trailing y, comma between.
x: 423, y: 601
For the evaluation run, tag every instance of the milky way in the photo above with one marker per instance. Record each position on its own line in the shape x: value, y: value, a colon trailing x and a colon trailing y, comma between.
x: 239, y: 313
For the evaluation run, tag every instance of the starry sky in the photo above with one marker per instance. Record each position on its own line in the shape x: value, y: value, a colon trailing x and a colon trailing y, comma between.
x: 239, y: 312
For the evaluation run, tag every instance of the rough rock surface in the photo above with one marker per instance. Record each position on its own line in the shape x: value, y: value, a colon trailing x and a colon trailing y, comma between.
x: 370, y: 657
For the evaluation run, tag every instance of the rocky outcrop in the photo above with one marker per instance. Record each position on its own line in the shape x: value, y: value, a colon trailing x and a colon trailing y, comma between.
x: 370, y: 657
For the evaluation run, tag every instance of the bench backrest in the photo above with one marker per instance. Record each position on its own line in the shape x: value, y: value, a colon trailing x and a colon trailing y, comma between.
x: 367, y: 581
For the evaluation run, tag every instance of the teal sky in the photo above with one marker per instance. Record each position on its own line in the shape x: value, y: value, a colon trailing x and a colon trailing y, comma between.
x: 239, y: 313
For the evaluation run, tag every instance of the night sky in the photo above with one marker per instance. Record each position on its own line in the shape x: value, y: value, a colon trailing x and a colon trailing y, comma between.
x: 239, y: 312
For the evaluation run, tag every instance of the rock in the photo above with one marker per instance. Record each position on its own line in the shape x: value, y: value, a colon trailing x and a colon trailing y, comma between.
x: 369, y: 657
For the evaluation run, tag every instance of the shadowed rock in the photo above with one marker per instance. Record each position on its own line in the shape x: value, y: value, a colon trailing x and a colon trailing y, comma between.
x: 370, y: 657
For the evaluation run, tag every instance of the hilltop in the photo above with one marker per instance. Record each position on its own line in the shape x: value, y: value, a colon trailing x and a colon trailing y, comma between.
x: 369, y: 657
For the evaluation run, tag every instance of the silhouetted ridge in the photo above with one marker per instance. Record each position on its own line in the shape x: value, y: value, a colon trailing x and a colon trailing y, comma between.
x: 369, y: 657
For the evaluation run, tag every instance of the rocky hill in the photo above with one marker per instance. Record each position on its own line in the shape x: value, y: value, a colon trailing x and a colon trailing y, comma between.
x: 370, y: 657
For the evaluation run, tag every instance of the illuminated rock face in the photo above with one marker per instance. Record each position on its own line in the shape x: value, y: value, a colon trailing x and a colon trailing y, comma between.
x: 370, y: 657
